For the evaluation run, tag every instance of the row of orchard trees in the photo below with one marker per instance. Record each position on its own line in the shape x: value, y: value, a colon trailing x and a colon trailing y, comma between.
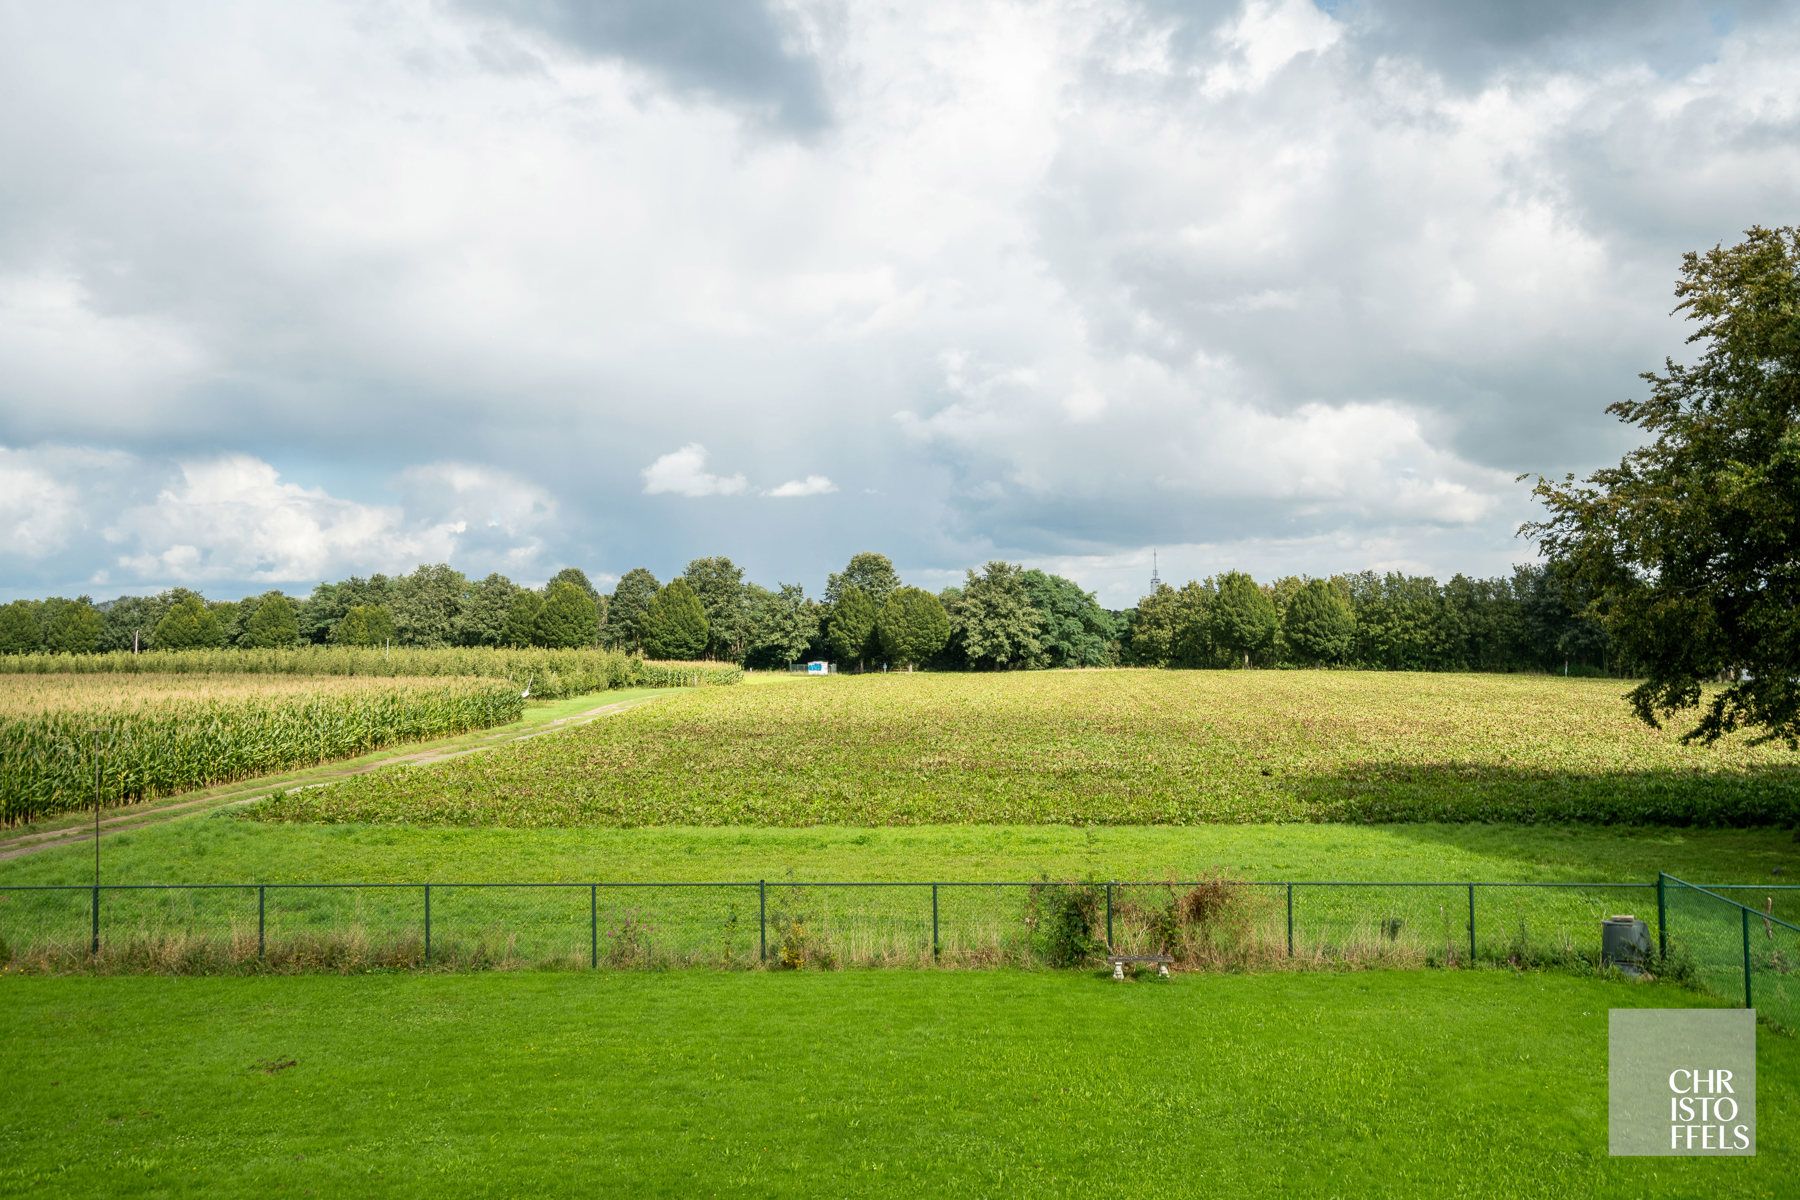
x: 1002, y: 617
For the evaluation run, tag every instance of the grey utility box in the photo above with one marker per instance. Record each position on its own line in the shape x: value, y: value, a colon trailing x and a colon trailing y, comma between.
x: 1624, y: 943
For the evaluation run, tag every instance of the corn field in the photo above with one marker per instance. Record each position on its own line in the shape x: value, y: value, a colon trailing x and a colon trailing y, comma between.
x: 160, y: 734
x: 550, y: 674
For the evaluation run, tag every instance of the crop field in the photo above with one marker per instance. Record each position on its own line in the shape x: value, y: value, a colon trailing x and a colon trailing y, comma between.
x: 1097, y: 747
x: 156, y: 735
x: 550, y: 674
x: 1378, y: 1083
x: 103, y: 697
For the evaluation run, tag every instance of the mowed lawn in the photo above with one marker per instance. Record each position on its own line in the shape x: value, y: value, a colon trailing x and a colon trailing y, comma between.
x: 1119, y: 747
x: 1485, y: 1083
x: 219, y: 848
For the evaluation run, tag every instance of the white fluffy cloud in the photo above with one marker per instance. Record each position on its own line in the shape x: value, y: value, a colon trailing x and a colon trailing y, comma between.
x: 1266, y: 275
x: 812, y: 485
x: 42, y: 494
x: 233, y: 519
x: 683, y: 473
x: 494, y: 516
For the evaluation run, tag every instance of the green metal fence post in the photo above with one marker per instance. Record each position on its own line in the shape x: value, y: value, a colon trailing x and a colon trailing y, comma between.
x: 94, y: 946
x: 762, y: 919
x: 1289, y: 920
x: 593, y: 924
x: 428, y: 923
x: 1745, y: 914
x: 1471, y: 924
x: 1109, y: 940
x: 1662, y: 916
x: 934, y: 923
x: 262, y: 909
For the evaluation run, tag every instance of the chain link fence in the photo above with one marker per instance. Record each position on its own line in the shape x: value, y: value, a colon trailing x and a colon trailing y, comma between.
x: 1203, y: 922
x: 1722, y: 940
x: 1726, y: 939
x: 1781, y: 900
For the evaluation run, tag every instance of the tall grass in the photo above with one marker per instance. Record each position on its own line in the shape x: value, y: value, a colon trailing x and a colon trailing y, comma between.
x: 161, y: 741
x: 550, y: 674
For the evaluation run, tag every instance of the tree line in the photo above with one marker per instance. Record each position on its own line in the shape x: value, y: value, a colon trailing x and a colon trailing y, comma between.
x: 1001, y: 617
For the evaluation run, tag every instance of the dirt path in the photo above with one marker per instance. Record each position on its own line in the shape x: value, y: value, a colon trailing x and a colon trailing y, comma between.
x: 246, y: 790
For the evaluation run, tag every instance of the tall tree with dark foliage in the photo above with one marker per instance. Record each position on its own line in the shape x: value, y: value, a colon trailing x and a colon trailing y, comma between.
x: 1691, y: 545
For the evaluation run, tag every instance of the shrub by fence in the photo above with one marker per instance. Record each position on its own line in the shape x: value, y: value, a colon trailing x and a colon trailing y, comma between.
x: 1202, y: 923
x: 160, y: 746
x: 551, y: 674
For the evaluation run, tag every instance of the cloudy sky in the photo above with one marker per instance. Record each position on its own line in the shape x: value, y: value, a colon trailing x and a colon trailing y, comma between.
x: 294, y: 291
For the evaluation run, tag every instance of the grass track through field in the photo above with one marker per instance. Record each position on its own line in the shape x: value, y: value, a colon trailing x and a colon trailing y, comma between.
x: 1486, y: 1083
x: 73, y: 829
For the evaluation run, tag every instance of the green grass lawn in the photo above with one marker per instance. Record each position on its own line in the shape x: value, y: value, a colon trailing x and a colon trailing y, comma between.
x: 1485, y: 1083
x: 1123, y: 747
x: 219, y: 849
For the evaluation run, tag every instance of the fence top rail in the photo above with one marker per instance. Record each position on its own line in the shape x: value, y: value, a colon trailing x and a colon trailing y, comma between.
x: 848, y: 883
x: 1706, y: 890
x: 1748, y: 887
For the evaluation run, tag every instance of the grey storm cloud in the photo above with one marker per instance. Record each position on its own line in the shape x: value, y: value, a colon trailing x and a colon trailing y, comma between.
x: 1470, y: 42
x: 1360, y: 226
x: 1467, y: 43
x: 520, y: 283
x: 739, y: 50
